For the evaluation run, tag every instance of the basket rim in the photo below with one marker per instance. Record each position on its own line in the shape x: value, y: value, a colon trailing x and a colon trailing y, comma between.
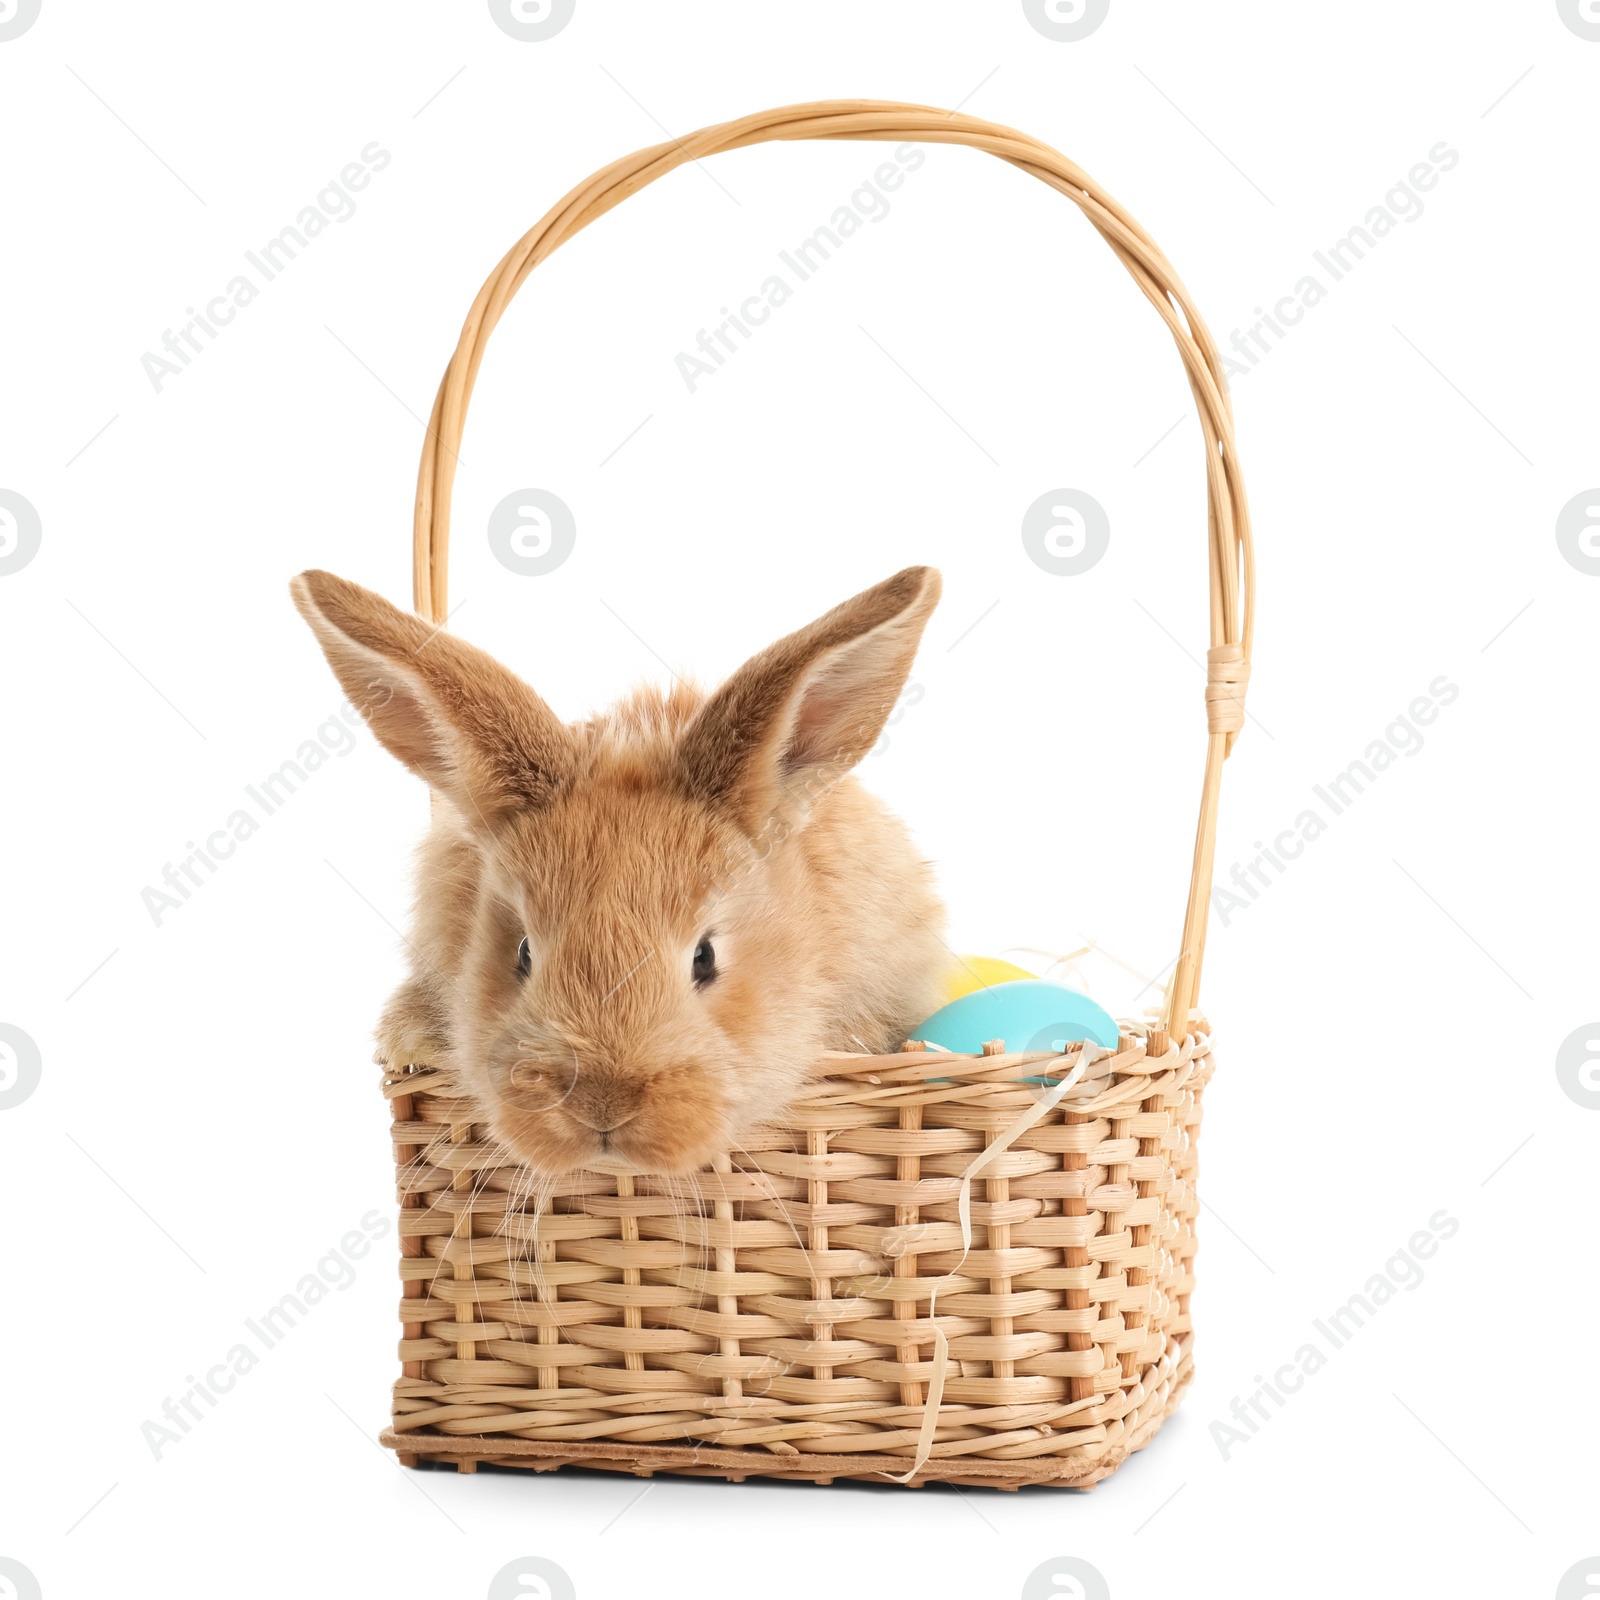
x: 865, y: 1078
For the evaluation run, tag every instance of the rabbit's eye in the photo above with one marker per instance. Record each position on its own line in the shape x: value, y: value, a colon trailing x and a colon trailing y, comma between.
x: 704, y: 967
x: 524, y: 958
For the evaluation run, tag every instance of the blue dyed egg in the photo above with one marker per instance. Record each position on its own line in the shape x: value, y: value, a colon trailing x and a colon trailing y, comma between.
x: 1029, y: 1014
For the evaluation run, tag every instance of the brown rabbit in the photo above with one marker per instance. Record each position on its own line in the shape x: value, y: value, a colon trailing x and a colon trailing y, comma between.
x: 635, y: 934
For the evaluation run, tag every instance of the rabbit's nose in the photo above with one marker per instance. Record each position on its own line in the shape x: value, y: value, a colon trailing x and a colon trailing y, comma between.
x: 601, y: 1121
x: 603, y: 1104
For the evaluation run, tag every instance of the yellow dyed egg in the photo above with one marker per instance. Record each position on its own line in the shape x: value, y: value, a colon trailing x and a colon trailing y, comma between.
x: 972, y: 973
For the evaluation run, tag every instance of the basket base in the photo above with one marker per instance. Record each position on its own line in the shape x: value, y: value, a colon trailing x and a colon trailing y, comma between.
x: 468, y: 1452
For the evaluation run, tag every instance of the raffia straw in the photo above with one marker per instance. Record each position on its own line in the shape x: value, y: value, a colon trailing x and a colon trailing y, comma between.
x: 941, y: 1345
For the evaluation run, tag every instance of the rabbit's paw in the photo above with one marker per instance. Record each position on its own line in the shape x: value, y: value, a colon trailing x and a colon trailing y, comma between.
x: 410, y: 1033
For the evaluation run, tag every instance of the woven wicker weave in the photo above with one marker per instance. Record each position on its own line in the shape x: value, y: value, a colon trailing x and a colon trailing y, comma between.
x: 967, y: 1268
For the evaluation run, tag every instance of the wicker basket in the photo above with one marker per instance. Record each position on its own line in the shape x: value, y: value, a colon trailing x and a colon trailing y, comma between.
x: 974, y: 1269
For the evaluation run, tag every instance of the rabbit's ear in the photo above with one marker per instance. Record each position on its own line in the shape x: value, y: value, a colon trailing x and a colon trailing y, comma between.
x: 806, y: 709
x: 475, y: 731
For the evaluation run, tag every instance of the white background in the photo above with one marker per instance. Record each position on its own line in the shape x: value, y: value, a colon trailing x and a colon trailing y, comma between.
x: 1387, y: 1013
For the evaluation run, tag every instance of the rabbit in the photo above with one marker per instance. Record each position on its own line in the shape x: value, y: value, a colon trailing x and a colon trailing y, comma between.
x: 635, y: 934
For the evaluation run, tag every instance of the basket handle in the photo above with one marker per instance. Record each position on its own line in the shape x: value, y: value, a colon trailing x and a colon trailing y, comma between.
x: 1232, y: 566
